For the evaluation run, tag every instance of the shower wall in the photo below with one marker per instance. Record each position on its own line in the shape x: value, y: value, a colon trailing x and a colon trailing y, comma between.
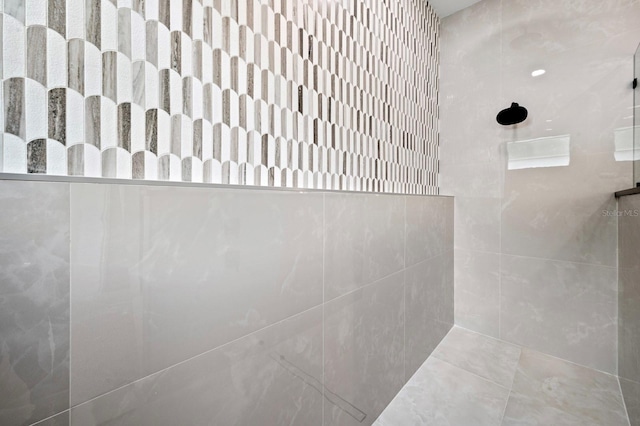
x: 629, y: 309
x: 168, y: 305
x: 291, y: 93
x: 536, y: 230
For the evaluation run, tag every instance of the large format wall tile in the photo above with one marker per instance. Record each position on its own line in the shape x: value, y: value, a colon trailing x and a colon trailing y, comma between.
x: 429, y: 228
x: 477, y: 291
x: 488, y: 54
x: 429, y: 308
x: 164, y: 274
x: 557, y: 212
x: 565, y: 309
x: 365, y: 240
x: 629, y: 303
x: 34, y: 301
x: 287, y: 93
x: 631, y: 393
x: 364, y: 352
x: 271, y: 377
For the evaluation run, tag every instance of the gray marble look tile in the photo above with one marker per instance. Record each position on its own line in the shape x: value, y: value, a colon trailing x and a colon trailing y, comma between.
x: 429, y: 228
x: 34, y: 301
x: 477, y: 291
x: 124, y: 31
x: 57, y: 114
x: 92, y: 110
x: 61, y: 419
x: 363, y: 352
x: 169, y: 273
x: 37, y: 54
x: 271, y: 377
x: 629, y: 232
x: 365, y: 240
x: 151, y: 131
x: 15, y: 8
x: 489, y: 358
x: 57, y: 19
x: 93, y: 22
x: 548, y: 390
x: 75, y: 65
x: 565, y: 309
x: 631, y: 393
x: 151, y: 51
x: 124, y: 126
x: 75, y: 160
x: 37, y: 156
x: 110, y: 75
x: 429, y: 308
x: 14, y: 108
x: 442, y: 394
x: 477, y: 223
x: 546, y: 214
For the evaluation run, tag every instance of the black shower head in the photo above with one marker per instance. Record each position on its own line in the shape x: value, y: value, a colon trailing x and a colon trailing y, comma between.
x: 513, y: 115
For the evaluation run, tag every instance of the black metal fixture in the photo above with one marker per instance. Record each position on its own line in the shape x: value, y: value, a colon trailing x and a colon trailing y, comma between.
x: 513, y: 115
x: 635, y: 83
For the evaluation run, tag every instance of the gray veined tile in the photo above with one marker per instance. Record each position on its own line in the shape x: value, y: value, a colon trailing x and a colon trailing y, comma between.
x: 187, y: 96
x: 363, y: 352
x: 565, y: 309
x: 92, y: 120
x: 139, y: 76
x: 165, y: 12
x: 14, y: 107
x: 484, y: 356
x: 187, y: 17
x: 176, y: 51
x: 429, y: 308
x: 124, y: 126
x: 15, y: 8
x: 429, y: 229
x: 93, y: 19
x: 37, y: 54
x: 207, y: 24
x: 131, y: 319
x: 75, y: 160
x: 272, y: 377
x: 124, y: 31
x: 57, y: 128
x: 442, y: 394
x: 37, y: 156
x: 164, y: 93
x: 151, y: 50
x: 57, y: 19
x: 548, y: 390
x: 34, y: 301
x: 151, y: 126
x: 137, y: 165
x: 75, y: 65
x: 110, y: 75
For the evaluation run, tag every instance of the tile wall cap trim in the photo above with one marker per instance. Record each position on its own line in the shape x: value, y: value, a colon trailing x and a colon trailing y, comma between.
x: 112, y: 181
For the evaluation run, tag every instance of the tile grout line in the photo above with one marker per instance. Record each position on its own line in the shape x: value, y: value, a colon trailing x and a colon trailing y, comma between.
x: 624, y: 403
x: 196, y: 356
x: 539, y: 352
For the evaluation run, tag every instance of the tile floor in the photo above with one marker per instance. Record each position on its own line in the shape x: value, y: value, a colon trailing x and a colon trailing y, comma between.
x: 475, y: 380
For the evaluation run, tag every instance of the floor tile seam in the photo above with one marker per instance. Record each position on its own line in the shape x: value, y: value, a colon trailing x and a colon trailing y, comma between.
x: 472, y: 373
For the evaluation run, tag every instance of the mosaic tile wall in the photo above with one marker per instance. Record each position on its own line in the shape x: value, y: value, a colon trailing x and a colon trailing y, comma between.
x: 294, y: 93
